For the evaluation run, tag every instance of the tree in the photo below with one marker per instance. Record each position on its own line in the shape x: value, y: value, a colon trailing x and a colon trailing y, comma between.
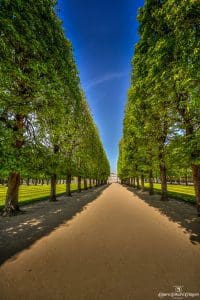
x: 163, y: 101
x: 26, y: 44
x: 41, y: 100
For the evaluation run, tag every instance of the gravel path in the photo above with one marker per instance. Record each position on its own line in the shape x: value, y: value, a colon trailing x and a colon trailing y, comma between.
x: 121, y: 246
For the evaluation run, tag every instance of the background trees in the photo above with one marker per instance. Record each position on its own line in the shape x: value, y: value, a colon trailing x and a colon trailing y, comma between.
x: 46, y: 127
x: 162, y: 118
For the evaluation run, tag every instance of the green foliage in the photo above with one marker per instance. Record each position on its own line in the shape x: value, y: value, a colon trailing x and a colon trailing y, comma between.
x: 45, y: 124
x: 162, y: 116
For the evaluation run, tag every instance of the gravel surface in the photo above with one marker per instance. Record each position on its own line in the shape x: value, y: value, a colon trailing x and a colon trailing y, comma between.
x: 124, y: 245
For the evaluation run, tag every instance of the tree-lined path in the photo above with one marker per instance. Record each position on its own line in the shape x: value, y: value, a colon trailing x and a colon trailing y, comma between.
x: 119, y: 247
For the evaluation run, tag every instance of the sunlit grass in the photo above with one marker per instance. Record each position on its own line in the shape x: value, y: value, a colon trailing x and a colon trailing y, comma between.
x: 34, y: 192
x: 181, y: 192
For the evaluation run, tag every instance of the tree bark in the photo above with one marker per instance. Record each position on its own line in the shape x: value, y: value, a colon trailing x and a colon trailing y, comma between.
x: 79, y: 184
x: 90, y: 183
x: 151, y: 188
x: 142, y: 182
x: 186, y: 180
x: 12, y: 196
x: 11, y: 205
x: 53, y: 187
x: 68, y: 185
x: 137, y: 182
x: 85, y: 184
x: 163, y: 179
x: 196, y: 180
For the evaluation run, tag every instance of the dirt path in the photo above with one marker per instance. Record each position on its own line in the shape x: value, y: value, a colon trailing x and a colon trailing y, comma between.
x: 119, y: 248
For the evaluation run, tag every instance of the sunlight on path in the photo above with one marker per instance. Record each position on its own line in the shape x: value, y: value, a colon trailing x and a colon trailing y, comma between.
x: 118, y: 248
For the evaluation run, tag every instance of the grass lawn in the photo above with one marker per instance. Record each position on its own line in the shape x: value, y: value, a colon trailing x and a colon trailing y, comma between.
x: 32, y: 193
x: 181, y: 192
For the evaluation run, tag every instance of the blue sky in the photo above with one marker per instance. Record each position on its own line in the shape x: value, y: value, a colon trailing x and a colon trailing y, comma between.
x: 103, y: 34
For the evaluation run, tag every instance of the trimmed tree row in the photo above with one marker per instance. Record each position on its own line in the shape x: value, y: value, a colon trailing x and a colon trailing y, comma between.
x: 46, y: 128
x: 161, y: 136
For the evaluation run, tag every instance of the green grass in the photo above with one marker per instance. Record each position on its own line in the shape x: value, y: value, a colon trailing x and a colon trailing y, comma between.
x: 180, y: 192
x: 32, y: 193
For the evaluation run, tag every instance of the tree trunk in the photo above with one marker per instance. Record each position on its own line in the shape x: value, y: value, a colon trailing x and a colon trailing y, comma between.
x: 53, y: 187
x: 134, y: 185
x: 11, y: 205
x: 196, y: 180
x: 68, y: 185
x: 186, y: 180
x: 163, y: 179
x: 79, y: 184
x: 137, y: 182
x: 90, y: 183
x: 151, y: 189
x: 85, y: 184
x: 142, y: 182
x: 28, y: 181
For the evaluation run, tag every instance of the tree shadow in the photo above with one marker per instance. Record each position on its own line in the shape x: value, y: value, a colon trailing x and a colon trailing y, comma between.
x: 180, y: 212
x: 39, y: 220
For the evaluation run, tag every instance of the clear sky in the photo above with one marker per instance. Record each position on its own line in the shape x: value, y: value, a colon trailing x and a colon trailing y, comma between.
x: 103, y: 34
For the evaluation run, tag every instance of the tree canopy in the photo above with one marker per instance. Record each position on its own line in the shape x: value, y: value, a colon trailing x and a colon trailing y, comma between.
x: 161, y: 136
x: 46, y: 126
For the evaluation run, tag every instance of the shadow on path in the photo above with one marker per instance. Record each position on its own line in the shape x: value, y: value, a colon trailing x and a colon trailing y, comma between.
x: 184, y: 214
x: 40, y: 219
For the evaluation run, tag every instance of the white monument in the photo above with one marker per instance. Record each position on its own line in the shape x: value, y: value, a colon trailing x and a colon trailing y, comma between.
x: 113, y: 178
